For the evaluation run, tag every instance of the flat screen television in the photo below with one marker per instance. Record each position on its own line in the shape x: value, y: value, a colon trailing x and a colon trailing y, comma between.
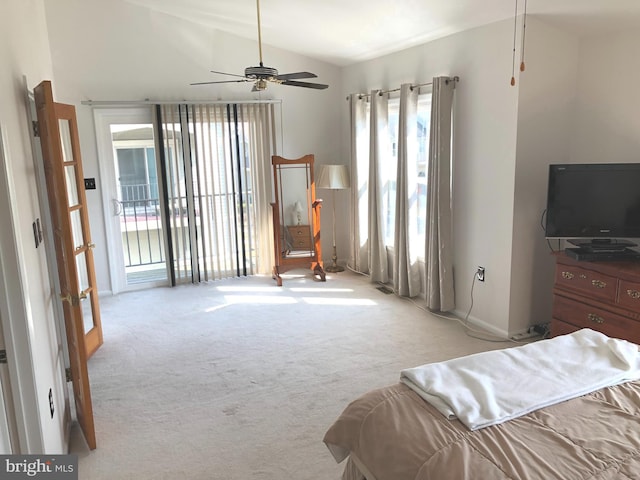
x: 595, y: 204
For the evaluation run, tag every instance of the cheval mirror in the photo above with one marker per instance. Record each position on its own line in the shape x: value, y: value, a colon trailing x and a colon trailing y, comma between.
x: 296, y: 217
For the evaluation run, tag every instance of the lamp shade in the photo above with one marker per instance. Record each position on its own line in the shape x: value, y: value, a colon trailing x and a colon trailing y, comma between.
x: 335, y: 177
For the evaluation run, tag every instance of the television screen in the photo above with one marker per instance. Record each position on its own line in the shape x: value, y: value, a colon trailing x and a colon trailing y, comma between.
x: 593, y: 201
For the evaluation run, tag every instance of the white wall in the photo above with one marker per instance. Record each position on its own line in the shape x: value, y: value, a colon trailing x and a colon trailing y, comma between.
x: 118, y: 51
x: 34, y: 349
x: 607, y: 124
x: 546, y: 109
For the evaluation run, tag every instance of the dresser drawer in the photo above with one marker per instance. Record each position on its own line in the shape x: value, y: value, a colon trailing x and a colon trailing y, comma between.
x: 594, y: 284
x: 629, y: 295
x: 583, y: 315
x: 300, y: 237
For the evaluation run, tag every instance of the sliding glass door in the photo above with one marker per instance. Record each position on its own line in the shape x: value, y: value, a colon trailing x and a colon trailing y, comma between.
x: 187, y: 191
x: 131, y: 195
x: 137, y: 201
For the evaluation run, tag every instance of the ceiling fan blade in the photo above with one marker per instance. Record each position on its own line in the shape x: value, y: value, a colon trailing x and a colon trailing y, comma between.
x: 221, y: 81
x: 293, y: 83
x: 296, y: 75
x: 225, y: 73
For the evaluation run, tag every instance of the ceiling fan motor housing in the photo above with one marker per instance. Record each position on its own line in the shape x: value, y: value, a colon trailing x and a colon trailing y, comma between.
x: 260, y: 72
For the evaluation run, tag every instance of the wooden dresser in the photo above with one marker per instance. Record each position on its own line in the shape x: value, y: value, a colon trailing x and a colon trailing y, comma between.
x: 603, y: 296
x: 300, y: 236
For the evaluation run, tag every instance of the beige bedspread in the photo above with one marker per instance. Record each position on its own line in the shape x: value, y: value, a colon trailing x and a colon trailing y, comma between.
x: 396, y: 435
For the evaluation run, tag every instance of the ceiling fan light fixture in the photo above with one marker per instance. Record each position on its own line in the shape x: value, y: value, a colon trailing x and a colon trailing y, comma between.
x: 260, y: 85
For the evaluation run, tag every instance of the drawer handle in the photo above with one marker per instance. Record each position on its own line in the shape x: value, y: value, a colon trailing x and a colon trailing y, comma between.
x: 567, y: 275
x: 598, y: 283
x: 595, y: 318
x: 633, y: 293
x: 583, y: 276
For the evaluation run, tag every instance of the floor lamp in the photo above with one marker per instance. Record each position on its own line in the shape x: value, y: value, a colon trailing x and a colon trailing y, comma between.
x: 333, y: 177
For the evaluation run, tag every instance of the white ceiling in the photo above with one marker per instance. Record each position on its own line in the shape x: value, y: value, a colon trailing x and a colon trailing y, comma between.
x: 348, y: 31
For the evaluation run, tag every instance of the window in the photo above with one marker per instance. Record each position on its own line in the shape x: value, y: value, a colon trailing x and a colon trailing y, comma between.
x: 135, y: 163
x: 422, y: 160
x: 137, y: 174
x: 417, y: 199
x: 390, y: 170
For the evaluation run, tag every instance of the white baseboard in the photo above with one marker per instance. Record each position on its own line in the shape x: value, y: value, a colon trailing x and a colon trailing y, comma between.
x: 476, y: 322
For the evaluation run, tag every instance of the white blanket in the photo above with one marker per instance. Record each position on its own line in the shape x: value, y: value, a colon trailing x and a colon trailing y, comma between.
x: 492, y: 387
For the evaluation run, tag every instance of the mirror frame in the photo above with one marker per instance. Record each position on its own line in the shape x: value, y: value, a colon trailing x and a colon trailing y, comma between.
x: 311, y: 258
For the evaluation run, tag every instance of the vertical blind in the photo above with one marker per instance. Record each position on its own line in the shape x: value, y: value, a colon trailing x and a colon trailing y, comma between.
x: 215, y: 164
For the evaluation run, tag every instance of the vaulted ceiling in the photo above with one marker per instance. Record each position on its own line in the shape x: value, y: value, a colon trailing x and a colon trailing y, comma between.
x: 348, y: 31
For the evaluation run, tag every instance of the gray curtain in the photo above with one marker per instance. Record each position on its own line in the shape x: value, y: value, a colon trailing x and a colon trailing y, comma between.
x: 439, y: 292
x: 379, y: 147
x: 359, y: 251
x: 406, y: 273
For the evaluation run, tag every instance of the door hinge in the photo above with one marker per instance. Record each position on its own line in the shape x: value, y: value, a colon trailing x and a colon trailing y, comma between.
x: 67, y: 372
x: 3, y: 356
x: 36, y: 128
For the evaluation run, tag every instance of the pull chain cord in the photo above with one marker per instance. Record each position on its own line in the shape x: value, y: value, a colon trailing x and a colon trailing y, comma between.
x: 513, y: 58
x: 524, y: 31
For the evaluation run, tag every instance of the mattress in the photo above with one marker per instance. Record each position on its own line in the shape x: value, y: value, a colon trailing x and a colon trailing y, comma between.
x: 393, y: 434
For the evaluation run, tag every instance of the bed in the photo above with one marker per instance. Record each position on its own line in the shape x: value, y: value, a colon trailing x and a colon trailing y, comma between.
x: 393, y: 433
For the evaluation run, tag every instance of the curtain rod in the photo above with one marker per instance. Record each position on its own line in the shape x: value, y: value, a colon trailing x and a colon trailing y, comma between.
x: 125, y: 103
x: 382, y: 92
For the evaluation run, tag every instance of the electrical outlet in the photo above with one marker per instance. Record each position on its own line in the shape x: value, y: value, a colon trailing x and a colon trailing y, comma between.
x: 480, y: 274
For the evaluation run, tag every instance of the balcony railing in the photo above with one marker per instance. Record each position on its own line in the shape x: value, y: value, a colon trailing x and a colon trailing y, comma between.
x: 141, y: 225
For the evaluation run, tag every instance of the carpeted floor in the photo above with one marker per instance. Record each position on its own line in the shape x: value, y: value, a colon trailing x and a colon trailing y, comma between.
x: 239, y: 379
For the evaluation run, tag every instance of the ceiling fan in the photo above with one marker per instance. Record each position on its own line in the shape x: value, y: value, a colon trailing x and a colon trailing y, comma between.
x: 261, y: 75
